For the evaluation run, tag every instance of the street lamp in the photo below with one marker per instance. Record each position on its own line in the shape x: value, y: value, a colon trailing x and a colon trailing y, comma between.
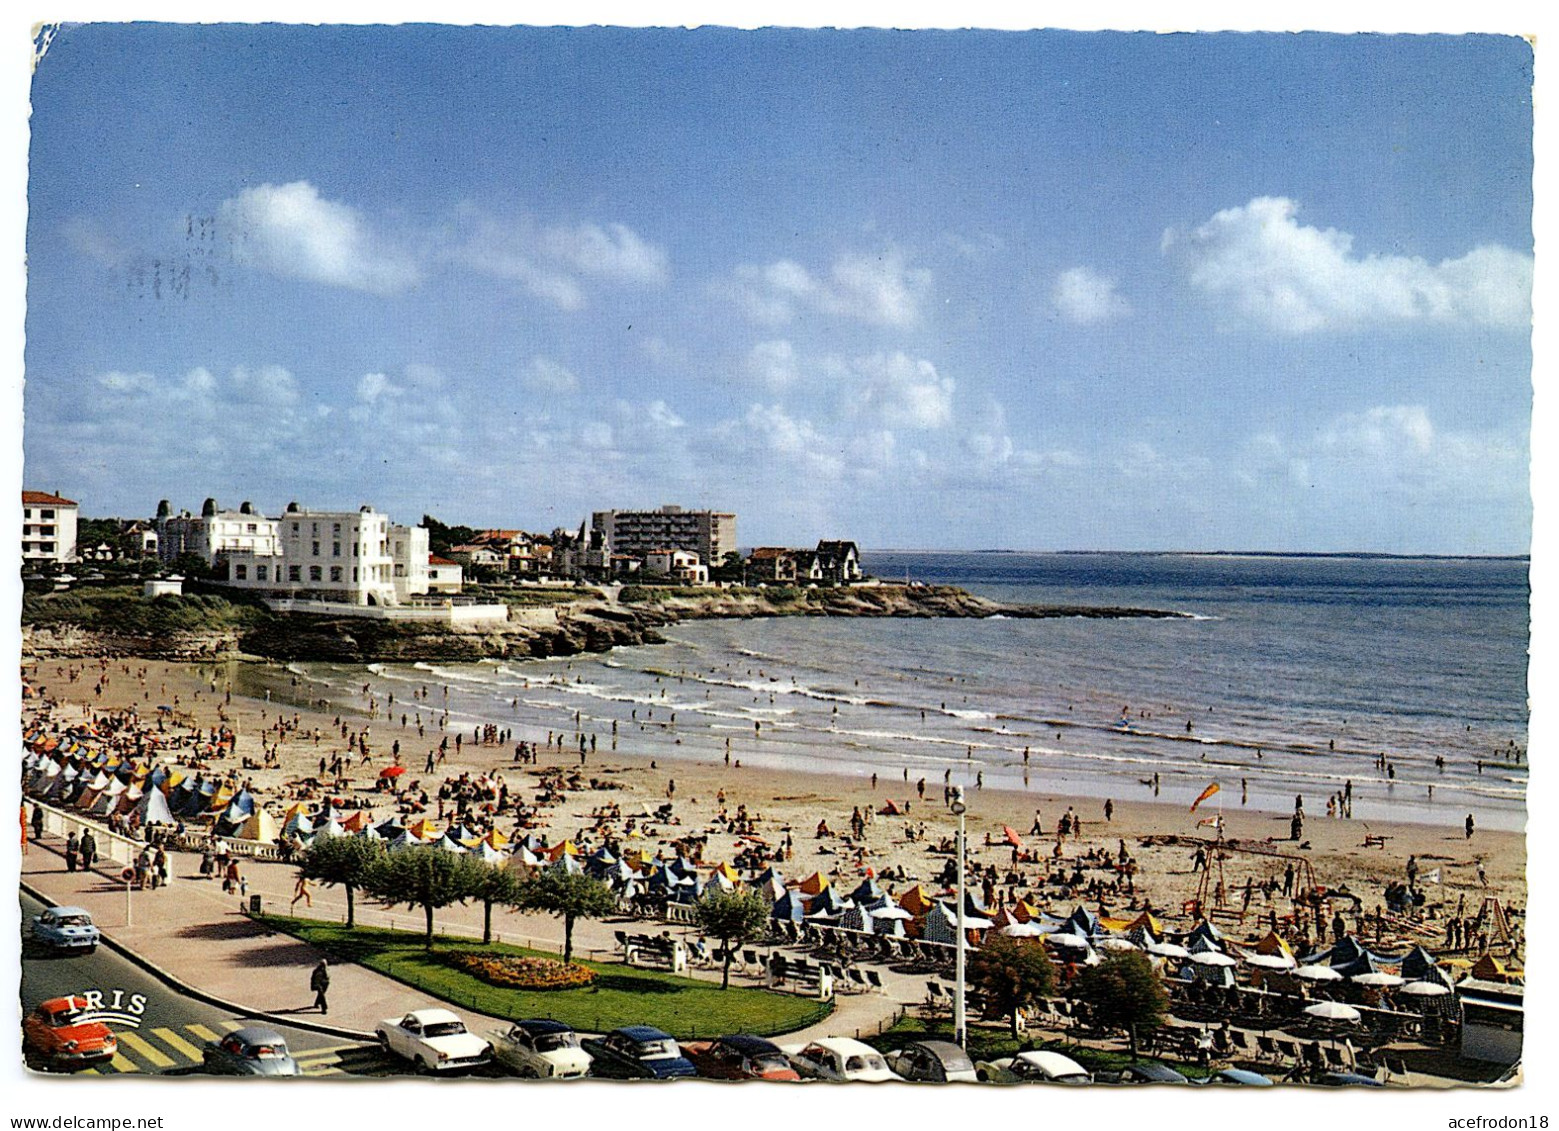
x: 960, y: 1021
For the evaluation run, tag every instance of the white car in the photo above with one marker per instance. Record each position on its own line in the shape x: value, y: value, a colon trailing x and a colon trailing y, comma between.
x: 1037, y: 1066
x: 435, y: 1040
x: 547, y: 1050
x: 839, y: 1058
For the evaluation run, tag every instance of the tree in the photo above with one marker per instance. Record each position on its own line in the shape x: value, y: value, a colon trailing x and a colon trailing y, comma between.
x: 426, y: 877
x: 730, y: 568
x: 1011, y: 974
x: 341, y: 860
x: 1124, y: 992
x: 570, y: 896
x: 733, y: 917
x: 495, y: 884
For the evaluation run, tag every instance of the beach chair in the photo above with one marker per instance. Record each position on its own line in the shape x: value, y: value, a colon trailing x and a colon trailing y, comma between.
x: 874, y: 981
x: 1266, y: 1048
x: 1335, y: 1059
x: 1238, y: 1042
x: 1288, y: 1050
x: 856, y: 979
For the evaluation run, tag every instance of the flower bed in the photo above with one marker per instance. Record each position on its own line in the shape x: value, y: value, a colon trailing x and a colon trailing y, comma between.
x: 521, y: 973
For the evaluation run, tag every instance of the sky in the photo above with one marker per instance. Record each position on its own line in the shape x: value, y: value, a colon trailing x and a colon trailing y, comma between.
x: 1039, y: 290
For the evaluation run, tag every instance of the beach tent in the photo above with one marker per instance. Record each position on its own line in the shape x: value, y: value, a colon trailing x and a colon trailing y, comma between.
x: 725, y: 872
x: 1083, y: 922
x: 449, y: 844
x: 941, y: 924
x: 826, y: 902
x: 358, y: 822
x: 240, y: 807
x: 259, y: 826
x: 770, y: 884
x: 868, y: 891
x: 1418, y: 965
x: 788, y: 906
x: 488, y: 854
x: 329, y: 827
x: 153, y: 809
x: 973, y: 907
x: 1204, y: 930
x: 561, y: 849
x: 404, y: 841
x: 390, y: 829
x: 298, y: 824
x: 917, y: 900
x: 814, y: 884
x: 1490, y: 969
x: 891, y: 809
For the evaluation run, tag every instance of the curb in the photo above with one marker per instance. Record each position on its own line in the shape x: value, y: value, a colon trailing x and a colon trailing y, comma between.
x: 207, y: 998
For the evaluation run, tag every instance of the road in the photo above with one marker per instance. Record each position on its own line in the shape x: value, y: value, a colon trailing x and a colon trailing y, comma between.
x: 160, y: 1031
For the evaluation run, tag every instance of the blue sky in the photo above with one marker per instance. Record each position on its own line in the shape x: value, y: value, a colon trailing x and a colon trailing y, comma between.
x: 1027, y: 290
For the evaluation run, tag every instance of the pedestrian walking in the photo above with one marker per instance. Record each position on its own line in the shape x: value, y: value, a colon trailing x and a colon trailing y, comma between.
x: 319, y: 982
x: 37, y: 822
x: 300, y: 890
x: 72, y: 847
x: 1469, y: 826
x: 88, y: 850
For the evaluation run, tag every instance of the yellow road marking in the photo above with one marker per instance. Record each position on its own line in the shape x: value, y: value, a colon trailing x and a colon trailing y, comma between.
x: 332, y: 1050
x: 146, y: 1049
x: 202, y: 1032
x: 179, y: 1044
x: 121, y: 1064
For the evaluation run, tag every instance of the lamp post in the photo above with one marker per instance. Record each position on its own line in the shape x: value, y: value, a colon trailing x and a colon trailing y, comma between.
x: 960, y: 1021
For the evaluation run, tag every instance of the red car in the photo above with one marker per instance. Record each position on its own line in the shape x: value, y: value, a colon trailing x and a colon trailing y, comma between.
x: 58, y: 1035
x: 739, y: 1058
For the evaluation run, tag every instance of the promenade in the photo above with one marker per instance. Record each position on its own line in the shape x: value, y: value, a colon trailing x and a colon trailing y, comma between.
x: 199, y: 940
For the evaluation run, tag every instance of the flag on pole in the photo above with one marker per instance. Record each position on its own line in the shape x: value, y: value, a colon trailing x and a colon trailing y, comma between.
x: 1205, y: 794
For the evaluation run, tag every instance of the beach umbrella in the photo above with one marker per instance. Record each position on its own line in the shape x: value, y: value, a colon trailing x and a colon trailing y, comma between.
x: 1068, y: 939
x: 1212, y: 958
x: 1424, y: 989
x: 1012, y: 836
x: 1168, y: 950
x: 1270, y: 961
x: 1318, y: 974
x: 1022, y: 930
x: 1377, y: 978
x: 1115, y: 943
x: 392, y: 771
x: 1332, y: 1011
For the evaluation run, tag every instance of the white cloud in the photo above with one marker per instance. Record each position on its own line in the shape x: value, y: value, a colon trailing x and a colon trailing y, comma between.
x: 291, y: 230
x: 1297, y: 279
x: 614, y: 252
x: 770, y: 430
x: 773, y: 365
x: 896, y: 390
x: 1385, y: 430
x: 882, y: 290
x: 1086, y: 297
x: 543, y: 375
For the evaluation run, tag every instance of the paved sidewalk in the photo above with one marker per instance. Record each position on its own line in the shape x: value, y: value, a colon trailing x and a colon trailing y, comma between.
x: 193, y: 935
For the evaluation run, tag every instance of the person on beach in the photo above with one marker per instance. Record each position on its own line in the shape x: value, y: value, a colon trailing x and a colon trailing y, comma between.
x: 319, y: 982
x: 72, y: 847
x: 1469, y: 826
x: 300, y: 890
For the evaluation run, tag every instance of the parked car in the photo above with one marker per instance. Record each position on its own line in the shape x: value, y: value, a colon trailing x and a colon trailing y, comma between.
x: 540, y: 1049
x: 740, y: 1057
x: 1036, y: 1066
x: 840, y: 1058
x: 937, y: 1062
x: 59, y: 1033
x: 250, y: 1051
x: 1238, y: 1076
x: 435, y: 1040
x: 1143, y: 1072
x: 638, y: 1052
x: 66, y: 930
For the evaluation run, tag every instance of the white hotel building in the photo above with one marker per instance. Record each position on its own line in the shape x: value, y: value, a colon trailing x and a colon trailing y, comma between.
x: 48, y: 528
x: 347, y: 557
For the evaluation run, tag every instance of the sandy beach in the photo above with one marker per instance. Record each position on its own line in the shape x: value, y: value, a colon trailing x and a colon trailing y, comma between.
x: 786, y: 808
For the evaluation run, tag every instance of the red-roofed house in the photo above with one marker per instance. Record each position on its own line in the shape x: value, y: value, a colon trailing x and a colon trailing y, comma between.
x: 48, y: 528
x: 444, y: 576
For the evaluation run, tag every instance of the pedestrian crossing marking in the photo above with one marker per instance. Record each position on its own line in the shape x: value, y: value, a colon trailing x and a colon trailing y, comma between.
x: 122, y: 1065
x: 201, y: 1031
x: 178, y: 1044
x: 146, y: 1049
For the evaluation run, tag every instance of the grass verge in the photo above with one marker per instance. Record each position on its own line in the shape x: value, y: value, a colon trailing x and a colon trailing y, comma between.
x: 621, y: 995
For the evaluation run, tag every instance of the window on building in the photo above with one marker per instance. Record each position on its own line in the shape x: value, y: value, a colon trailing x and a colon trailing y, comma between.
x: 354, y: 573
x: 262, y: 573
x: 400, y: 570
x: 315, y: 573
x: 316, y: 549
x: 46, y: 514
x: 335, y: 528
x: 295, y: 528
x: 335, y: 549
x: 241, y: 573
x: 335, y: 573
x: 294, y: 573
x: 251, y: 528
x: 46, y: 531
x: 354, y: 549
x: 46, y: 547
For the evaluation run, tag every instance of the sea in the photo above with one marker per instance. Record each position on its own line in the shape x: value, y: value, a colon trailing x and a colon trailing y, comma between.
x: 1286, y: 675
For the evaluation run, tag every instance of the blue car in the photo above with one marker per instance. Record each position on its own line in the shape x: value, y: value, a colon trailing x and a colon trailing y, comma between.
x: 66, y: 930
x: 638, y: 1052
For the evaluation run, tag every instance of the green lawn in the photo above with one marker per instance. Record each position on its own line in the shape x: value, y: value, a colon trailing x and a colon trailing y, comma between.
x: 621, y: 995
